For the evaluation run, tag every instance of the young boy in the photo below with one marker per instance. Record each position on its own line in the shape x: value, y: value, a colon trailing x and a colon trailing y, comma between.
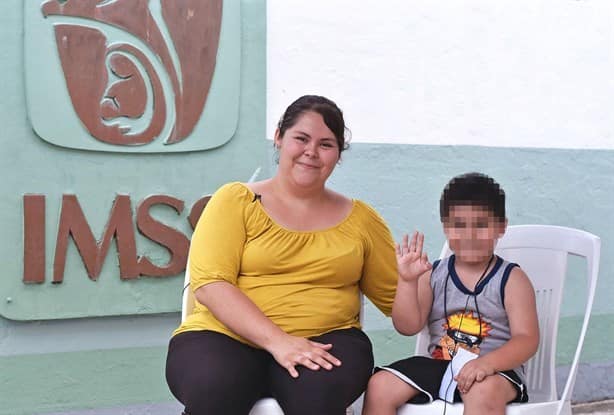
x: 472, y: 300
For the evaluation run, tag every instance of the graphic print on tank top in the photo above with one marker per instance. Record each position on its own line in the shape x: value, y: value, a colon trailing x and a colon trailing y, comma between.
x: 463, y: 329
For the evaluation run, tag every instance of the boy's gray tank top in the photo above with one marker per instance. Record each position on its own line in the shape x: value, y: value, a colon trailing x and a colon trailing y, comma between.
x: 476, y: 321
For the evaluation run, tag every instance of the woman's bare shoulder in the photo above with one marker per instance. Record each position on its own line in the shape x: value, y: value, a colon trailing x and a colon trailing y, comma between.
x: 339, y: 199
x: 259, y: 187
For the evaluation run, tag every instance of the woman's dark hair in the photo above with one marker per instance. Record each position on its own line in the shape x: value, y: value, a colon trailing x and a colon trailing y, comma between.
x: 330, y: 112
x: 474, y: 189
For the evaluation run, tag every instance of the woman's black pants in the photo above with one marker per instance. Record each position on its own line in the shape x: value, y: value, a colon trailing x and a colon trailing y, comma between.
x: 211, y: 374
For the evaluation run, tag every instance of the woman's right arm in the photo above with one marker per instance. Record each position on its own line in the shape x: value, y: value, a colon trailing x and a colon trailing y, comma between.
x: 237, y: 312
x: 215, y: 257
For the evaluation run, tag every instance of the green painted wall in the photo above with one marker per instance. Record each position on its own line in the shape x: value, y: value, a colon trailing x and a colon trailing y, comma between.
x: 572, y: 188
x: 89, y: 379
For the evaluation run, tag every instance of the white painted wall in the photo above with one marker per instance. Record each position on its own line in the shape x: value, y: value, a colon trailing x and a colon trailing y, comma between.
x: 510, y: 73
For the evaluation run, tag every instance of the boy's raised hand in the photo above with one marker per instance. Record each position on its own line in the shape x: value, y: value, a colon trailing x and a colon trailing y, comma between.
x: 411, y: 261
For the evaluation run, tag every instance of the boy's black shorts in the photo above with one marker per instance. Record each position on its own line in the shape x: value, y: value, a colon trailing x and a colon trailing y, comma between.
x: 425, y: 374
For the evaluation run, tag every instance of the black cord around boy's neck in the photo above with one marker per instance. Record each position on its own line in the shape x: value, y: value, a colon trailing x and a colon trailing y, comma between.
x: 445, y: 292
x: 445, y: 311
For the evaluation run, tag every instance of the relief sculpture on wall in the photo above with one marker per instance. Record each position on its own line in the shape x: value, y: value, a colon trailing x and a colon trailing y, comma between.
x: 90, y: 62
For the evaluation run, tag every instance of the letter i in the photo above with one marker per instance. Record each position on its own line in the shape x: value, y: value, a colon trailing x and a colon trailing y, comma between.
x: 33, y: 238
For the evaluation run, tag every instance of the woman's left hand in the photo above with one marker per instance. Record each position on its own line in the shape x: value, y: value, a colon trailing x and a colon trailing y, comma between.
x: 292, y: 351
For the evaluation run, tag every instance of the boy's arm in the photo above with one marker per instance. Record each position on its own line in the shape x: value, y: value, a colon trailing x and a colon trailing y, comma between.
x: 522, y: 315
x: 412, y: 304
x: 413, y: 297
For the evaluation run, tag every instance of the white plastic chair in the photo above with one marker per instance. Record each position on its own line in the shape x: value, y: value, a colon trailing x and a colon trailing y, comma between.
x: 541, y: 251
x: 265, y: 406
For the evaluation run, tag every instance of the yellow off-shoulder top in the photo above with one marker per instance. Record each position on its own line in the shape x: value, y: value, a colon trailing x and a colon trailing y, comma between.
x: 307, y: 283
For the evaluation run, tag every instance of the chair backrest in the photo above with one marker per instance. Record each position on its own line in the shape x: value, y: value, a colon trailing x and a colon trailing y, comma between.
x: 187, y: 298
x: 542, y: 251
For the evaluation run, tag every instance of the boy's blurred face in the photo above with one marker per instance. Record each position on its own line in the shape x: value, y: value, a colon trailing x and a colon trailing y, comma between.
x: 472, y: 232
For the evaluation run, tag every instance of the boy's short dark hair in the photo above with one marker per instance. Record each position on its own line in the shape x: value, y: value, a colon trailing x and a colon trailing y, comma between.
x: 475, y: 189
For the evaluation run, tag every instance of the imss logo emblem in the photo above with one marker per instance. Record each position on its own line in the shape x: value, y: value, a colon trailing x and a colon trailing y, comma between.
x: 133, y: 75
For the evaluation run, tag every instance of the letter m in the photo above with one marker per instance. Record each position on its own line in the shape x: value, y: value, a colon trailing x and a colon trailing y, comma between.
x: 119, y: 226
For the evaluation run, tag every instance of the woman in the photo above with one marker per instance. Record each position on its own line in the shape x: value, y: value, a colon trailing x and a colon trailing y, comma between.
x: 277, y: 267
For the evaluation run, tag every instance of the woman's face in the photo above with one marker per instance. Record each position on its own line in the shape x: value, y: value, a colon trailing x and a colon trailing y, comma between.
x: 308, y: 151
